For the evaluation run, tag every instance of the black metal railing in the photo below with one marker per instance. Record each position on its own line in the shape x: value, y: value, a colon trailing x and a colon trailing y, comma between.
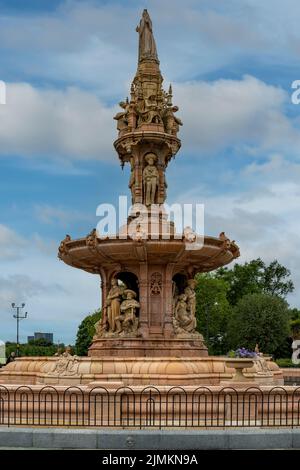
x: 150, y: 407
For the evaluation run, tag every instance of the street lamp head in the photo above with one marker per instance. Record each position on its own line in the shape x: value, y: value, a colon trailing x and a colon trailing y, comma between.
x: 13, y: 305
x: 23, y: 305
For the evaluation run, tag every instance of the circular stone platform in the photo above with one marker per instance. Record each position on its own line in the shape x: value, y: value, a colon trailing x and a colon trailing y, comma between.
x: 130, y: 371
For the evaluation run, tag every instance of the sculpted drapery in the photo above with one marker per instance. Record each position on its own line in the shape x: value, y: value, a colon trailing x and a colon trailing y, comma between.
x: 147, y: 46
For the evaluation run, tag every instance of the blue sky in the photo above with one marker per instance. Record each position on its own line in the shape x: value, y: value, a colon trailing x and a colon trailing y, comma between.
x: 68, y: 63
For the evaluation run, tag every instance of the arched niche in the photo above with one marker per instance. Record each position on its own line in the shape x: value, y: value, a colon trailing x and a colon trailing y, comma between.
x: 179, y: 283
x: 130, y: 280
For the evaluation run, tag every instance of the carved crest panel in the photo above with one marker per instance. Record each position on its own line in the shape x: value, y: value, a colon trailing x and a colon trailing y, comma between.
x: 156, y: 283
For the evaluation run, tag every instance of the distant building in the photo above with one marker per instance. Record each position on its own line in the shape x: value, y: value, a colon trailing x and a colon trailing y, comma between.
x: 38, y: 335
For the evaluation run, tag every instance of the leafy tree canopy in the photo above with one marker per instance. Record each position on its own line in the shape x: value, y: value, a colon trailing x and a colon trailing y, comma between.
x: 213, y: 311
x: 259, y: 319
x: 32, y: 349
x: 256, y: 277
x: 85, y: 333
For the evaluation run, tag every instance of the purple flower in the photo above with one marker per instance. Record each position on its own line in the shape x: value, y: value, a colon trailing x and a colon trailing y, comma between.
x: 245, y: 353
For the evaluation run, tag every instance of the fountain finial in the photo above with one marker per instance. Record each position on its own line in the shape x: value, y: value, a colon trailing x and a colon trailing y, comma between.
x: 147, y: 45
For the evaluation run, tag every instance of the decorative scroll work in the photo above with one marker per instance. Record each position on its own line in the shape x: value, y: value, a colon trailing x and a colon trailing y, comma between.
x: 63, y: 249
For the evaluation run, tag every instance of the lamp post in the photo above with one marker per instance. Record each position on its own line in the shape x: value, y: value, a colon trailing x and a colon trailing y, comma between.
x: 18, y: 317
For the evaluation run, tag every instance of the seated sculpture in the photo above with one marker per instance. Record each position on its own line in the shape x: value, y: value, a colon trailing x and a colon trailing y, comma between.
x: 127, y: 321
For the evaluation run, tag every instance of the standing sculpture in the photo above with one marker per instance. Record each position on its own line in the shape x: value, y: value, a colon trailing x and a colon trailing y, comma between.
x: 191, y: 296
x: 147, y: 46
x: 150, y: 180
x: 113, y: 302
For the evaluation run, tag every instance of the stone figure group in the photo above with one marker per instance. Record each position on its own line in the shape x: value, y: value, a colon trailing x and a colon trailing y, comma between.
x: 121, y: 312
x: 67, y: 364
x: 147, y: 107
x: 184, y: 309
x: 121, y: 307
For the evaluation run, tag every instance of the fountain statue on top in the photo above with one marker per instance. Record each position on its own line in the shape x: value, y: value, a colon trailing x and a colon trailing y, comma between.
x: 147, y: 46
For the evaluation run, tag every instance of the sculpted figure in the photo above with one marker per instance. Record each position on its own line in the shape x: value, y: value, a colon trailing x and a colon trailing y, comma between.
x: 127, y: 322
x: 191, y: 296
x: 113, y: 302
x: 62, y: 250
x: 122, y: 116
x: 100, y: 327
x: 171, y: 121
x: 184, y: 321
x: 66, y: 364
x: 147, y: 46
x: 150, y: 180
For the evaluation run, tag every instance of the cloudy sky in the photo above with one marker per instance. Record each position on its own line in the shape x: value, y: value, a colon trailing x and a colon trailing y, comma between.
x: 68, y: 63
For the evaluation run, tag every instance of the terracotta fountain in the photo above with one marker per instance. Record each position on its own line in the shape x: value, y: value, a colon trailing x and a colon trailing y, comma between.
x: 147, y: 334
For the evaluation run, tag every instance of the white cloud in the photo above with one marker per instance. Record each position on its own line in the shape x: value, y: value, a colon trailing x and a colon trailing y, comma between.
x: 89, y: 43
x: 48, y: 214
x: 264, y: 218
x: 74, y: 125
x: 235, y: 113
x: 57, y: 296
x: 17, y: 287
x: 51, y: 123
x: 11, y: 244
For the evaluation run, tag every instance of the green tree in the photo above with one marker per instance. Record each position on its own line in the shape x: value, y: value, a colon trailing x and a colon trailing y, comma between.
x: 256, y: 277
x: 32, y: 349
x: 275, y: 280
x: 213, y: 312
x: 285, y: 349
x: 85, y: 333
x: 259, y: 319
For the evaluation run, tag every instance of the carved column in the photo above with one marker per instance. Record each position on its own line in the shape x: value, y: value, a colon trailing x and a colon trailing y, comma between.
x: 103, y: 288
x: 138, y: 190
x: 168, y: 301
x: 156, y: 295
x: 161, y: 181
x: 143, y: 287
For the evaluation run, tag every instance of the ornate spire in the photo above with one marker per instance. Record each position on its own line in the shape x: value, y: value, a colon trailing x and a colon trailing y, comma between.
x: 150, y: 107
x: 147, y: 124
